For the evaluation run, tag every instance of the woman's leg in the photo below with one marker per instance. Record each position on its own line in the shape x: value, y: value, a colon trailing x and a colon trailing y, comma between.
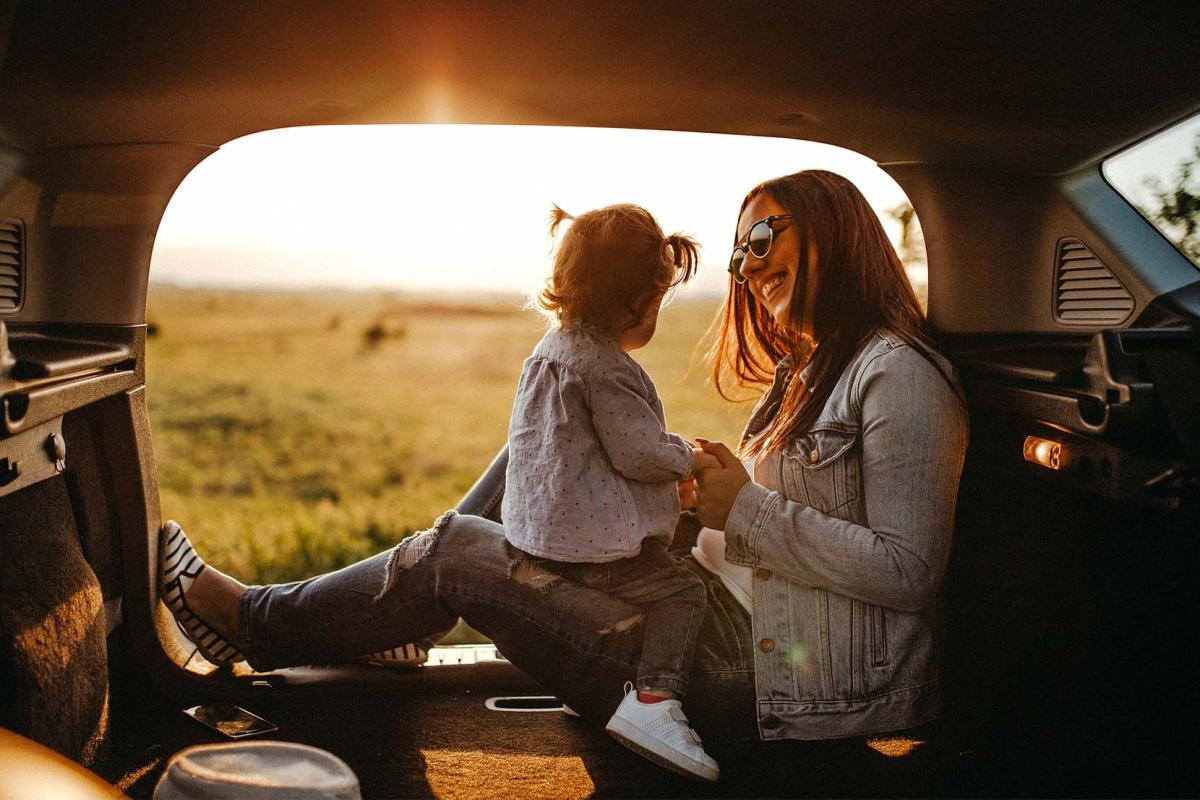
x: 216, y: 597
x: 578, y: 642
x: 461, y: 567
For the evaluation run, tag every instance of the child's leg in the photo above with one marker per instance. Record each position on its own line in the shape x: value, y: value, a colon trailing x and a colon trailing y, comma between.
x: 651, y: 721
x: 673, y: 603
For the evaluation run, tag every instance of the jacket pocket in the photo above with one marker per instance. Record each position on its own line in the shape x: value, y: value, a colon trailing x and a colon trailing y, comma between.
x: 877, y: 633
x: 821, y: 469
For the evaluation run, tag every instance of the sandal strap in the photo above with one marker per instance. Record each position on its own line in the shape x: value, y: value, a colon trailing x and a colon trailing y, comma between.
x: 180, y: 563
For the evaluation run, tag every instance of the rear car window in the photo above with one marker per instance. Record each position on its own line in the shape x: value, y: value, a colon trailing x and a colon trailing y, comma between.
x: 339, y: 315
x: 1161, y: 178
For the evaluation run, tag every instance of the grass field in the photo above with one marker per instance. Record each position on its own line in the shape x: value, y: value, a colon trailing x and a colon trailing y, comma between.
x: 299, y: 432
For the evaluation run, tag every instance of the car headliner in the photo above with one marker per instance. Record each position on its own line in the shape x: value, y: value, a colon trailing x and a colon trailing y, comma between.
x: 1038, y: 88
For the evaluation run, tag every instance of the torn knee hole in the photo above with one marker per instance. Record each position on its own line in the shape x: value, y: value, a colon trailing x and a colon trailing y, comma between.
x: 622, y: 625
x: 532, y: 574
x: 408, y: 552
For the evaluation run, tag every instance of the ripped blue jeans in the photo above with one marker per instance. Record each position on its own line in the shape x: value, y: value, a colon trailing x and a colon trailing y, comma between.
x: 671, y: 597
x: 581, y: 643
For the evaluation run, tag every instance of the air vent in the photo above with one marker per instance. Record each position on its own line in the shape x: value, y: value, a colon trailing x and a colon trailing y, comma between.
x: 1085, y: 291
x: 11, y: 237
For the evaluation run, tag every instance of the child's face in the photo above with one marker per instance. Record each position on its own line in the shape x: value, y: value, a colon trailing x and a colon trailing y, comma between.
x: 642, y: 331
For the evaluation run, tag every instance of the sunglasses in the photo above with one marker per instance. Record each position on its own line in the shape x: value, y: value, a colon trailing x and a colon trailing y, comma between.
x: 758, y: 241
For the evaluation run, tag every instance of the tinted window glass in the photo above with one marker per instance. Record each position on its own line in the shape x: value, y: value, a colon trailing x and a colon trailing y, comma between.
x: 1161, y: 178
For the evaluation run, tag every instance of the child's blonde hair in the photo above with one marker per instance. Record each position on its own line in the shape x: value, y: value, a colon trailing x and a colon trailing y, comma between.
x: 610, y: 264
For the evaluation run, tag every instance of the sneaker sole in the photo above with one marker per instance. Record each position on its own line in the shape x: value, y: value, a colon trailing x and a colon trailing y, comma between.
x: 636, y: 740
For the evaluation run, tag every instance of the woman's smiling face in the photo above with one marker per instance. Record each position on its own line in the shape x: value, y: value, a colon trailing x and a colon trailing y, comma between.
x: 772, y: 279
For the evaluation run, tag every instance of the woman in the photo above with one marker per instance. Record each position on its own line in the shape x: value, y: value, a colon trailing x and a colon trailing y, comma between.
x: 822, y: 572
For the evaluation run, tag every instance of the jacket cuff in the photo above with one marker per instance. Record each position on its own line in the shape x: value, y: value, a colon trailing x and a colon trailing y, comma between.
x: 745, y: 523
x: 691, y: 454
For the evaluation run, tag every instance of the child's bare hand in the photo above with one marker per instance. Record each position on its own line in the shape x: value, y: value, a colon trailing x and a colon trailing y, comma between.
x: 702, y: 460
x: 687, y: 492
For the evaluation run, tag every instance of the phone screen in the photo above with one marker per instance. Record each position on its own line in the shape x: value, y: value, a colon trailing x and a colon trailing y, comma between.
x: 230, y: 720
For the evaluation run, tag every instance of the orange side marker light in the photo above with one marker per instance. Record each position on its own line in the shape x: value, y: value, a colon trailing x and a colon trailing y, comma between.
x: 1042, y: 451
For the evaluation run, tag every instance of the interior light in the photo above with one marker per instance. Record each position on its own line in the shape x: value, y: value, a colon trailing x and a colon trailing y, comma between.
x: 1042, y: 451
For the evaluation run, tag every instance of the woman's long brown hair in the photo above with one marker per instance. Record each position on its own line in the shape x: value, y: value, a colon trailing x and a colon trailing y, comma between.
x: 861, y: 287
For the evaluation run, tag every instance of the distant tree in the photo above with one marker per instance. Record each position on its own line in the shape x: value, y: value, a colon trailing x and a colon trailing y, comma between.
x: 912, y: 240
x: 382, y: 329
x: 1178, y: 211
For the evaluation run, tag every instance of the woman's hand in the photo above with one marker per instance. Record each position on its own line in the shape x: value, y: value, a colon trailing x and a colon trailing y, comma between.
x: 720, y: 476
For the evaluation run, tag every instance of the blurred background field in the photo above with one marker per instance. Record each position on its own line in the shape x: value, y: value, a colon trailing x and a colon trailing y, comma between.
x: 297, y: 432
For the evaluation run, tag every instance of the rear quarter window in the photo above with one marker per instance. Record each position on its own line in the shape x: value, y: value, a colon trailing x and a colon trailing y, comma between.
x: 1160, y: 177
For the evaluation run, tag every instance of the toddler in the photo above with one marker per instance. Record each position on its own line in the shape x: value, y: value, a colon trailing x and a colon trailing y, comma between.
x: 591, y: 481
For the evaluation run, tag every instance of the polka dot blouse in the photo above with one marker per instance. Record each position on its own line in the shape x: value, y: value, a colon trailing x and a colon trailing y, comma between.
x: 591, y: 467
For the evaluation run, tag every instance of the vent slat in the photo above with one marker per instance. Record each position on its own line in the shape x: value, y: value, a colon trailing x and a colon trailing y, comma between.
x: 1081, y: 263
x: 1099, y: 305
x: 1094, y: 294
x: 1094, y: 316
x: 1094, y: 283
x: 7, y: 282
x: 1084, y: 274
x: 7, y: 262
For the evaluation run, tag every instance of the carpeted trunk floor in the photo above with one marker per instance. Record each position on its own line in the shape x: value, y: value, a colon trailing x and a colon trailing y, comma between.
x: 427, y: 733
x: 435, y: 738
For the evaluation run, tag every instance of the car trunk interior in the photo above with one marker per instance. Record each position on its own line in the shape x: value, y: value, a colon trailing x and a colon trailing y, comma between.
x: 1069, y: 605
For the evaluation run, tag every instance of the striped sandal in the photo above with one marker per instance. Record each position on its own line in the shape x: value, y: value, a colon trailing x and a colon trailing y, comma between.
x: 406, y: 655
x: 178, y: 566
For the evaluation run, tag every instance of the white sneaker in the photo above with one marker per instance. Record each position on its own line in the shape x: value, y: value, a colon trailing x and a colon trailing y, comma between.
x: 659, y: 731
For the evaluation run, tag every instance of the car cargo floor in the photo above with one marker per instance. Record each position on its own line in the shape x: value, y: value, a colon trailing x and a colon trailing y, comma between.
x: 431, y: 736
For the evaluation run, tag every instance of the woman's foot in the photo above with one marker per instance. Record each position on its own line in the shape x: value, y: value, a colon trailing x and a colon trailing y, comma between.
x: 195, y: 594
x: 406, y: 655
x: 659, y: 731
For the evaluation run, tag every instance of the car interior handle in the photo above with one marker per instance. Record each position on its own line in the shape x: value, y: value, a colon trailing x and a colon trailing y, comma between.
x: 44, y: 376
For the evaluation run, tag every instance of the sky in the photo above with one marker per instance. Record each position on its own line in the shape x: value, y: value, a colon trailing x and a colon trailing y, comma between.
x: 460, y: 208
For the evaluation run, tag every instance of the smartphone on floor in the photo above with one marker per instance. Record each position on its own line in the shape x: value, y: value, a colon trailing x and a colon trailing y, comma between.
x: 230, y: 720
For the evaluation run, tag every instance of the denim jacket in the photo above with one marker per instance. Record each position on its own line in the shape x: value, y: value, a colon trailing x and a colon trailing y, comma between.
x: 848, y: 530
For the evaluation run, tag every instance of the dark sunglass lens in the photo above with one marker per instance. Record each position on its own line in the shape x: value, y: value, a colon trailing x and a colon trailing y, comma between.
x: 735, y: 264
x: 759, y: 240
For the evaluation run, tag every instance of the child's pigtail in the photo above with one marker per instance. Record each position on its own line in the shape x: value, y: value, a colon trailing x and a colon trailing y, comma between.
x: 557, y: 297
x: 685, y: 257
x: 556, y: 218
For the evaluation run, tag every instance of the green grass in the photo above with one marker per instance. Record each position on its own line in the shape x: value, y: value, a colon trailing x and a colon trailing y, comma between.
x: 291, y: 441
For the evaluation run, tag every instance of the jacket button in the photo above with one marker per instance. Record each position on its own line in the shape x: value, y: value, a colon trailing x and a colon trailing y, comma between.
x: 814, y: 456
x: 762, y: 574
x: 766, y: 645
